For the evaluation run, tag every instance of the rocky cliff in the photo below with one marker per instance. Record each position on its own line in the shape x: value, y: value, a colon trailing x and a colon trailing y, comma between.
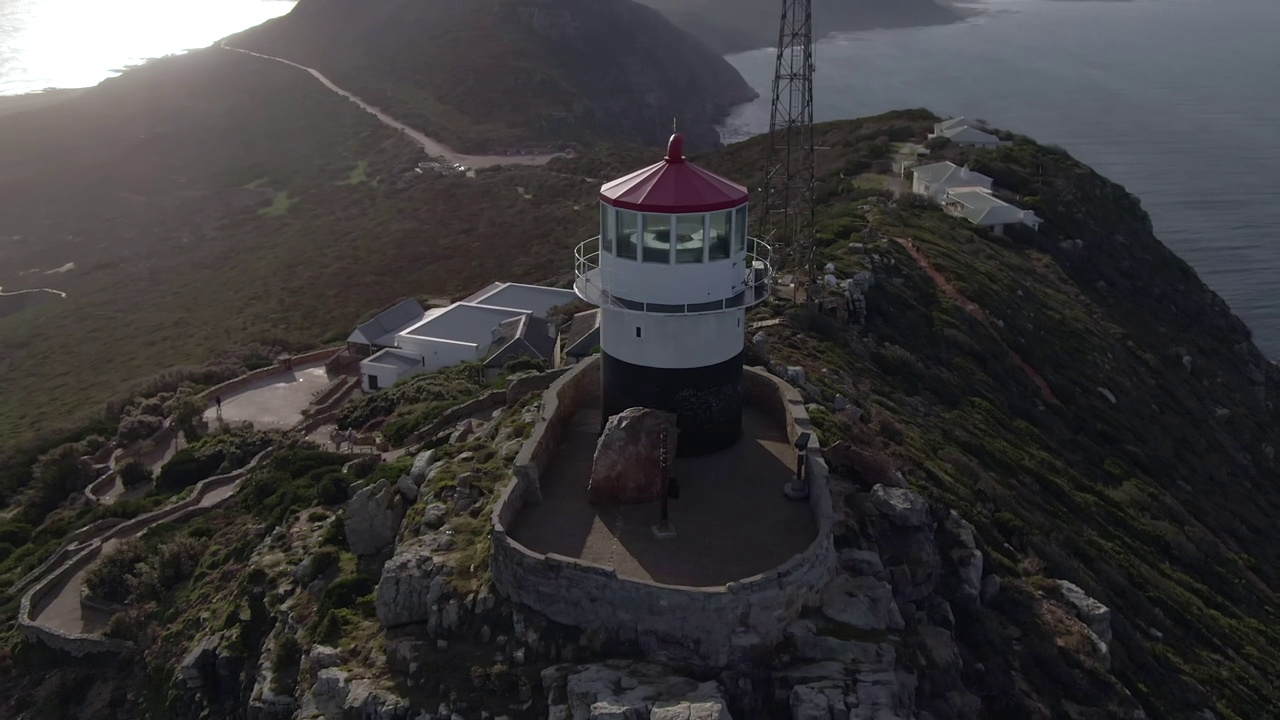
x: 498, y: 75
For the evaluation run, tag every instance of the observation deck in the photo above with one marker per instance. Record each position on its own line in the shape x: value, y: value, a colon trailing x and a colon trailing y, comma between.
x: 592, y: 285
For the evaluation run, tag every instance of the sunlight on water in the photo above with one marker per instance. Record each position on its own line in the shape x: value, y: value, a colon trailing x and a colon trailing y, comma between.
x: 79, y: 43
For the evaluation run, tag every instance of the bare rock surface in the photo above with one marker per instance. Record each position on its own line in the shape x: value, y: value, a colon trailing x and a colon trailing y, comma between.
x: 630, y: 691
x: 373, y: 517
x: 627, y: 467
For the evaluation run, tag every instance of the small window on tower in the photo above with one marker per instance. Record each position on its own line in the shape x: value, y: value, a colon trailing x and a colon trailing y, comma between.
x: 637, y: 331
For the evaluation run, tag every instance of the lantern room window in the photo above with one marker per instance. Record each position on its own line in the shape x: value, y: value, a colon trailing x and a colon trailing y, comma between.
x: 606, y: 229
x: 740, y: 229
x: 690, y: 235
x: 625, y: 227
x: 718, y: 245
x: 655, y: 233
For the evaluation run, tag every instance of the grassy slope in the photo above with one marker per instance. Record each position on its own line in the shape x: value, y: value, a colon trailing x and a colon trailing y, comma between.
x: 144, y: 183
x: 1158, y: 505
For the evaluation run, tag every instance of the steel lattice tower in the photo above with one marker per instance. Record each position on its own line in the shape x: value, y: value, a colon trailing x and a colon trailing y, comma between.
x: 789, y: 175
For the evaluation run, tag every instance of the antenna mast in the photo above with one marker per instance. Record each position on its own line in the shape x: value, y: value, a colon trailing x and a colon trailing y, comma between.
x: 787, y: 200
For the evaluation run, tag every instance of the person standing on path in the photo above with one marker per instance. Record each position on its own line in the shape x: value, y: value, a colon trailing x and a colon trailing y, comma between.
x: 217, y: 399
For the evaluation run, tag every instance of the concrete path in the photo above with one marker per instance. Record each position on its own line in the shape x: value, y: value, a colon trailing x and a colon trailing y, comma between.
x: 432, y: 147
x: 60, y: 610
x: 275, y: 401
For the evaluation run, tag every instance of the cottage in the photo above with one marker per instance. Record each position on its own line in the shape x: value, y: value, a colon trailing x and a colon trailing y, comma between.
x: 934, y: 180
x: 980, y: 207
x: 960, y: 131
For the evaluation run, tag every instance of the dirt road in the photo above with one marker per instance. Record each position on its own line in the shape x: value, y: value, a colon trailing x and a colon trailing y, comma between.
x: 432, y: 147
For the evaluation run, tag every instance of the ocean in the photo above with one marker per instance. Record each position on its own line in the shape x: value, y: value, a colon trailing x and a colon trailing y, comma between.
x: 78, y: 43
x: 1177, y: 100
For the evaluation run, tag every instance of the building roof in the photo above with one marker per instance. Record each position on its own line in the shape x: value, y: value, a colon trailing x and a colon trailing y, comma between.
x: 523, y: 335
x: 583, y: 329
x: 393, y: 357
x: 953, y: 122
x: 673, y: 186
x: 384, y: 326
x: 949, y: 174
x: 466, y: 323
x: 535, y: 299
x: 983, y: 208
x: 970, y: 135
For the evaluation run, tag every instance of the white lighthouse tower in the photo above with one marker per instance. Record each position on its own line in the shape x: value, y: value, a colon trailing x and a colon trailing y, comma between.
x: 673, y: 273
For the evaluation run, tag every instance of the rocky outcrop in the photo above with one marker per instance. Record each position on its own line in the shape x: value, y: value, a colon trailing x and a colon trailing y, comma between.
x: 411, y: 585
x: 1095, y: 615
x: 336, y: 695
x: 900, y: 505
x: 628, y: 464
x: 624, y: 690
x: 861, y: 602
x: 373, y: 517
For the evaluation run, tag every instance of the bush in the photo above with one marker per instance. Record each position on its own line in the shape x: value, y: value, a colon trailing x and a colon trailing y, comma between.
x: 59, y: 473
x: 288, y: 654
x: 15, y: 533
x: 344, y: 592
x: 134, y: 474
x: 93, y: 444
x: 336, y: 534
x: 188, y: 467
x: 109, y: 578
x: 325, y: 559
x: 139, y: 427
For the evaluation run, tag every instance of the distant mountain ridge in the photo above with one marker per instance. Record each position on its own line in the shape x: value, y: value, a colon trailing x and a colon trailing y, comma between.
x: 484, y: 76
x: 737, y: 25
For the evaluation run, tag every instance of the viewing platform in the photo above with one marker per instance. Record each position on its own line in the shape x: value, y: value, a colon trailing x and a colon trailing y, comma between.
x: 592, y: 284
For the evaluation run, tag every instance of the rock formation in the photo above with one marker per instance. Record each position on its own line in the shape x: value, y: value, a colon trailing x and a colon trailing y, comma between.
x: 627, y: 467
x: 373, y: 517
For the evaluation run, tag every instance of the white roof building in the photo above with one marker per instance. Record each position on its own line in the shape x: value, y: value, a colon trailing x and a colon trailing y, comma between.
x: 498, y: 323
x: 934, y: 180
x: 980, y: 207
x: 960, y: 131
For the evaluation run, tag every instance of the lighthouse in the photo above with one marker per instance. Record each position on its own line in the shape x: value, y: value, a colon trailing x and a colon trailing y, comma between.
x: 673, y: 272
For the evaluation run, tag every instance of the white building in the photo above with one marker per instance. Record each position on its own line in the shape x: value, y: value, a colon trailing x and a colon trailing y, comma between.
x: 933, y: 181
x: 980, y: 207
x: 495, y: 325
x: 960, y: 131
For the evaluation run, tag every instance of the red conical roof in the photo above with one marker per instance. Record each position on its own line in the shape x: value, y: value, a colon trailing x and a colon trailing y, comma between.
x: 673, y: 186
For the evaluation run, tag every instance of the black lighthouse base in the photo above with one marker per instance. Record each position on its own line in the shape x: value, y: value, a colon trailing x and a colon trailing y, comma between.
x: 707, y: 400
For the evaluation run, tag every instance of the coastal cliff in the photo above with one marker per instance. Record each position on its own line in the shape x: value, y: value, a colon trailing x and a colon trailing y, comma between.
x: 501, y: 75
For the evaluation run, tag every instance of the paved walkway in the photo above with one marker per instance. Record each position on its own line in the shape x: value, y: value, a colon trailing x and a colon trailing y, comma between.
x: 275, y: 401
x: 60, y: 610
x: 432, y: 147
x: 731, y: 518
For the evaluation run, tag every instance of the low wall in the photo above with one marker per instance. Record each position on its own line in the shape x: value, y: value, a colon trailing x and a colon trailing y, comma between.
x: 71, y: 545
x: 491, y: 400
x: 529, y: 384
x: 295, y: 362
x: 699, y: 626
x: 82, y: 556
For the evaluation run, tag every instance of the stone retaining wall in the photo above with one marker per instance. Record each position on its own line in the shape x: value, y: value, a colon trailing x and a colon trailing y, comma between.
x: 491, y: 400
x: 69, y: 547
x: 295, y: 361
x: 82, y: 556
x: 699, y: 626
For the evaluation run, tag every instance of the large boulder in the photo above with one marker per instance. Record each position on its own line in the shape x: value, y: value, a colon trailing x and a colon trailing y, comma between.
x: 628, y: 462
x: 373, y: 518
x: 1092, y: 613
x: 863, y: 602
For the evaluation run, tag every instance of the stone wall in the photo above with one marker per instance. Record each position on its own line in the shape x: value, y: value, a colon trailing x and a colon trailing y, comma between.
x: 74, y: 543
x: 81, y: 556
x: 534, y: 382
x: 296, y: 361
x: 707, y: 626
x: 491, y: 400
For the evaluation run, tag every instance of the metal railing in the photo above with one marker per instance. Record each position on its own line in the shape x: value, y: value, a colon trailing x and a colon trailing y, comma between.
x: 757, y: 283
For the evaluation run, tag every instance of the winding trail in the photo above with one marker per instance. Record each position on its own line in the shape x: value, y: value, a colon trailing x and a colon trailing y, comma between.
x: 432, y: 147
x: 977, y: 313
x: 15, y: 293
